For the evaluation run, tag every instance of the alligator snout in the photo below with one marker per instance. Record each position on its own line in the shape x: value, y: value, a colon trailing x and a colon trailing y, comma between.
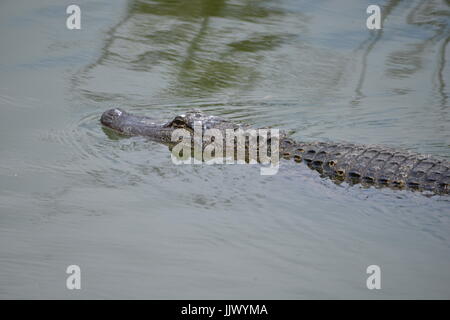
x: 111, y: 116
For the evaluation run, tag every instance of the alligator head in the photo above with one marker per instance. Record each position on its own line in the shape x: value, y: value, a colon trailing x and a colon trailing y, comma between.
x: 133, y: 125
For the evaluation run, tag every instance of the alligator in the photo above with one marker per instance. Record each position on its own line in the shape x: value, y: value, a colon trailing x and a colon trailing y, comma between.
x: 368, y: 165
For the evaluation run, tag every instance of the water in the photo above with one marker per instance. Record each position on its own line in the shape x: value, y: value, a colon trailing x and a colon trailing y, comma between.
x: 141, y: 227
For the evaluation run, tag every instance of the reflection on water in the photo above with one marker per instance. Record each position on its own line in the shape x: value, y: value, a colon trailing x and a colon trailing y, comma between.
x: 367, y: 46
x: 262, y: 61
x: 198, y: 48
x: 140, y: 226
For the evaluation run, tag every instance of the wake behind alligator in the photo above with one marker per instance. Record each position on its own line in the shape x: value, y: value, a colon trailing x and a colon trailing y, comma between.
x: 369, y: 165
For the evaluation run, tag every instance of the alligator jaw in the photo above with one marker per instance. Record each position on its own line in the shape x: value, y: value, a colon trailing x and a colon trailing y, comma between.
x: 128, y: 124
x: 133, y: 125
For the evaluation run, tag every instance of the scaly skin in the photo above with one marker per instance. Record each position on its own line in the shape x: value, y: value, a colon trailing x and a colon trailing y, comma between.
x: 372, y: 165
x: 366, y: 164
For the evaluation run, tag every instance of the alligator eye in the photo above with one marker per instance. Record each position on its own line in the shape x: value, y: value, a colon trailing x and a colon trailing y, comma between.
x: 178, y: 124
x: 332, y: 163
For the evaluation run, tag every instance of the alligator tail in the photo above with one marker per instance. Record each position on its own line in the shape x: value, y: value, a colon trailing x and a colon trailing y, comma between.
x: 372, y: 165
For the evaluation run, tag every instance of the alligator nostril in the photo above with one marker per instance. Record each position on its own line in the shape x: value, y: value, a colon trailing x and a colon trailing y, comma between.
x: 117, y: 112
x: 106, y: 118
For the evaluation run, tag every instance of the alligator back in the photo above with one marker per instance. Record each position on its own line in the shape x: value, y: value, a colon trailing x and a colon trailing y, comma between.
x: 372, y: 165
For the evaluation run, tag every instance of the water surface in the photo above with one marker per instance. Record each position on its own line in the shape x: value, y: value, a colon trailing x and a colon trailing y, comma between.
x: 140, y: 226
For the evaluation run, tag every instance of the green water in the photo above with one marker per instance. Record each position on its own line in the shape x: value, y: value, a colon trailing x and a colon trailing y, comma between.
x: 140, y: 226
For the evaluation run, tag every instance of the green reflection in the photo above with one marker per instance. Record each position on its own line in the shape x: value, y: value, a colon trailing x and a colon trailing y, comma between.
x: 199, y: 47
